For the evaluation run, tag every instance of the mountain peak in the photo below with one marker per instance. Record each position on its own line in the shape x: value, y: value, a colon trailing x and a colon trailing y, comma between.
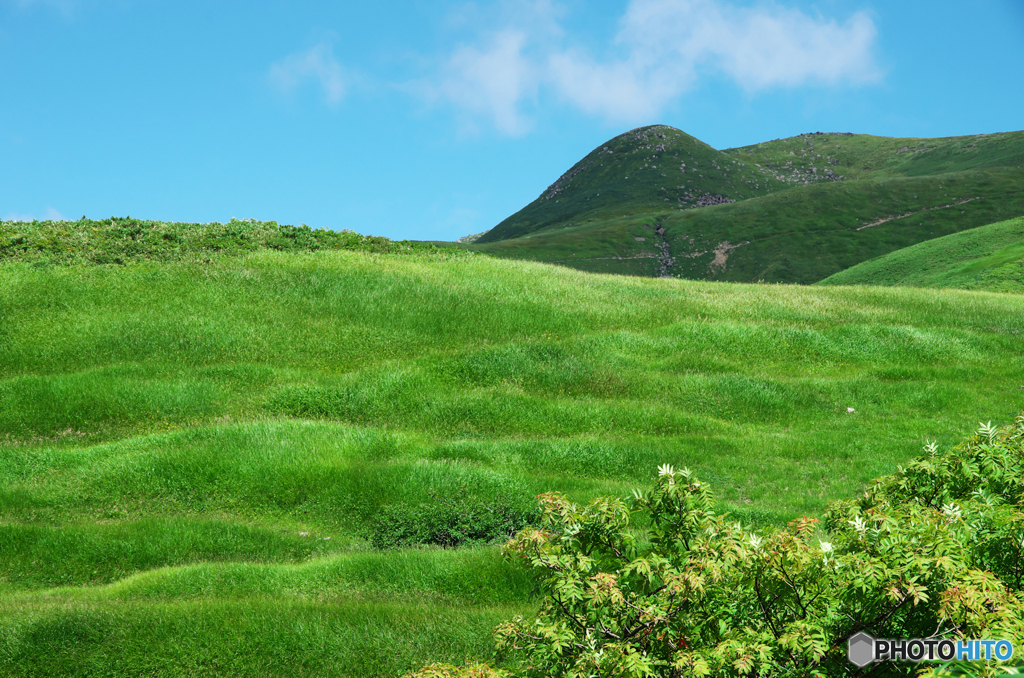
x: 656, y: 166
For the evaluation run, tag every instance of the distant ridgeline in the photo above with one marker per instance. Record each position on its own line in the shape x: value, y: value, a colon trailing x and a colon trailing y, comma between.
x: 656, y: 201
x: 119, y: 240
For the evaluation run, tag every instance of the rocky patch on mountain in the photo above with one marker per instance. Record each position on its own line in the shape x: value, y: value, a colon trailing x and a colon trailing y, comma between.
x: 707, y: 200
x: 563, y: 182
x: 664, y: 255
x: 717, y: 265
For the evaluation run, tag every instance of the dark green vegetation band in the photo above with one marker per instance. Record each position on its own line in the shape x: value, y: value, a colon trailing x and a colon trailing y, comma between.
x: 119, y: 240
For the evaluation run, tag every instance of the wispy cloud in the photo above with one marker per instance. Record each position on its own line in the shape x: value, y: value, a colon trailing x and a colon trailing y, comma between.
x: 758, y: 47
x: 49, y: 214
x: 663, y: 49
x: 65, y: 8
x: 316, y: 65
x: 491, y: 82
x: 493, y: 77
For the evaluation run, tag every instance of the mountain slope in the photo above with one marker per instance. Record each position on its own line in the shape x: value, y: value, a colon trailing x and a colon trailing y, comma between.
x: 862, y: 156
x: 819, y: 204
x: 657, y: 166
x: 985, y: 258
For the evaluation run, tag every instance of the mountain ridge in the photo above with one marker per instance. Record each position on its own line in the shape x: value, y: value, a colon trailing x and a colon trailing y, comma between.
x: 791, y: 210
x: 630, y: 157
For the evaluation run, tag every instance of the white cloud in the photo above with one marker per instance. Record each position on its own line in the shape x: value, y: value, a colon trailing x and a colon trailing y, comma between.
x: 623, y: 90
x: 316, y: 65
x: 662, y: 50
x: 49, y: 214
x: 758, y: 47
x: 491, y: 82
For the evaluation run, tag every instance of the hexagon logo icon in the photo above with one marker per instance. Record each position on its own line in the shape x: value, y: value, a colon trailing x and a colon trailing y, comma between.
x: 861, y: 649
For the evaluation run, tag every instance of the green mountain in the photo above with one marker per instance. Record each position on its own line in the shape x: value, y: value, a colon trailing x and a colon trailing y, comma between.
x: 657, y: 202
x: 984, y: 258
x: 637, y: 171
x: 196, y: 448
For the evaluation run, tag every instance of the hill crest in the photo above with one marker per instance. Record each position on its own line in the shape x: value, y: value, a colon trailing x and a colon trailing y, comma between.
x: 654, y: 166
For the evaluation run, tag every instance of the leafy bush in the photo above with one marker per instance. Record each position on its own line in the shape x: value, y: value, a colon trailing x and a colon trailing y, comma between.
x: 442, y: 670
x: 119, y: 240
x: 452, y: 523
x: 979, y: 485
x: 919, y: 555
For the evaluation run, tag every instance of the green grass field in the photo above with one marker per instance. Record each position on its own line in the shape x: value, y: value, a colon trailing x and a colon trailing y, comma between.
x: 193, y: 453
x: 985, y: 258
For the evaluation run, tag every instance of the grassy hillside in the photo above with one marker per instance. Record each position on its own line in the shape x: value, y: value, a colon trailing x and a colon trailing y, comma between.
x: 633, y: 173
x: 985, y: 258
x: 863, y: 156
x: 806, y: 207
x: 193, y: 453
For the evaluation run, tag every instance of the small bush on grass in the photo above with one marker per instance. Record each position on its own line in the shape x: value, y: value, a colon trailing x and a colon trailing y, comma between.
x: 932, y: 551
x: 451, y: 523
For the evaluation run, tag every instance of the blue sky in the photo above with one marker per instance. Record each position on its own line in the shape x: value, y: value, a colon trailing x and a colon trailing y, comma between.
x: 433, y: 120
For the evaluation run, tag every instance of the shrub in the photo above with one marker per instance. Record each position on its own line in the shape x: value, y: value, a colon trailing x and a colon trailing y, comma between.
x: 696, y: 594
x: 979, y: 485
x: 452, y: 523
x: 469, y: 671
x: 120, y: 240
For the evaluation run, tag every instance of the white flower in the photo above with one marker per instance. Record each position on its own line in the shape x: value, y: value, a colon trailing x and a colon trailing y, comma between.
x: 826, y: 547
x: 987, y: 430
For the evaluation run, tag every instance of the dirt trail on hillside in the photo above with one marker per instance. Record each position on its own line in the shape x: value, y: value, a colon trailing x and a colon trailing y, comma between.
x: 910, y: 214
